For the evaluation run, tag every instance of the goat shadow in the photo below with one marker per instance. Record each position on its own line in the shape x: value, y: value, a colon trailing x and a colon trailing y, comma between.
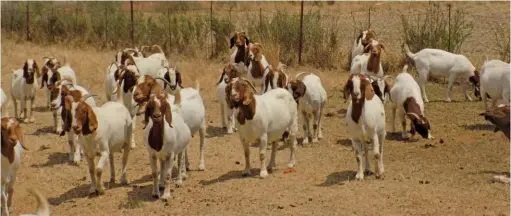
x: 344, y: 142
x: 214, y: 131
x: 82, y: 191
x: 506, y: 173
x: 396, y: 136
x: 338, y: 178
x: 44, y: 130
x: 55, y: 159
x: 479, y: 126
x: 41, y: 109
x: 231, y: 175
x: 281, y: 145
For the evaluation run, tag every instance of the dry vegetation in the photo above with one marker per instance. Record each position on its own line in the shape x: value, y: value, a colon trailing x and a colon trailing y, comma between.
x: 450, y: 175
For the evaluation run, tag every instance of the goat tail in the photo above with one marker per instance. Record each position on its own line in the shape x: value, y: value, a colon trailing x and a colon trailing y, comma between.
x: 408, y: 52
x: 158, y: 47
x: 43, y: 208
x: 405, y: 68
x: 197, y: 85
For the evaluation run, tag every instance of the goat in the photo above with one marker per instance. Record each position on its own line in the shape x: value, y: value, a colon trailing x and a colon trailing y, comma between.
x: 150, y: 65
x: 241, y: 41
x: 12, y: 147
x: 499, y: 116
x: 365, y: 119
x: 43, y: 207
x: 166, y: 135
x: 57, y: 75
x: 229, y: 73
x: 494, y: 82
x: 406, y: 99
x: 4, y: 101
x: 23, y: 87
x: 103, y: 135
x: 192, y: 112
x: 62, y: 89
x: 369, y: 62
x: 173, y: 78
x: 48, y: 64
x: 264, y: 118
x: 276, y: 78
x: 259, y: 66
x: 129, y: 77
x: 443, y: 63
x: 363, y: 39
x: 311, y: 97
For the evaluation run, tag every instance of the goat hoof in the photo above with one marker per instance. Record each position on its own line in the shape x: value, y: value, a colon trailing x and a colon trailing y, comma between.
x: 156, y: 195
x: 202, y: 167
x: 380, y: 176
x: 179, y: 183
x: 360, y: 176
x: 166, y: 197
x: 305, y: 141
x: 246, y: 173
x: 263, y: 174
x: 368, y: 173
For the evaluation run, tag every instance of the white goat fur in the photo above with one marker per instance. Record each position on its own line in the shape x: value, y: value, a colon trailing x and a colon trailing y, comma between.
x: 358, y: 48
x: 441, y: 63
x: 175, y: 142
x: 112, y: 135
x: 404, y: 87
x: 370, y: 130
x: 312, y: 103
x: 495, y: 81
x: 72, y: 138
x: 275, y: 112
x: 110, y: 83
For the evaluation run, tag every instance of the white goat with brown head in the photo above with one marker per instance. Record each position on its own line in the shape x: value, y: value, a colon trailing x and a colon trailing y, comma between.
x: 23, y: 88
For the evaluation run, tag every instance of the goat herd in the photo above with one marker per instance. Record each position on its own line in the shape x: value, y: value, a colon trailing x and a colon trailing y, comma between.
x: 143, y: 82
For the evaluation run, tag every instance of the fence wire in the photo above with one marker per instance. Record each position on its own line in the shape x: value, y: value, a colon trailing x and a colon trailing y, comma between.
x: 178, y: 29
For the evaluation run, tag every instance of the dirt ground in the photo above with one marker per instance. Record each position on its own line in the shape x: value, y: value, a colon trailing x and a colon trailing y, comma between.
x: 449, y: 178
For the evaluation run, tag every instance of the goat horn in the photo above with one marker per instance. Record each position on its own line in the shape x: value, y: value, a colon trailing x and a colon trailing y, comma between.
x: 157, y: 47
x: 250, y: 84
x: 163, y: 80
x: 299, y: 75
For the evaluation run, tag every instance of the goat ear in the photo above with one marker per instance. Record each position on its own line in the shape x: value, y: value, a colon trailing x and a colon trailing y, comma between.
x: 369, y: 91
x: 348, y: 88
x: 247, y: 42
x: 168, y: 115
x: 36, y: 69
x: 247, y: 96
x: 25, y: 69
x: 19, y: 134
x: 178, y: 79
x: 367, y: 48
x: 232, y: 41
x: 147, y: 113
x: 93, y: 121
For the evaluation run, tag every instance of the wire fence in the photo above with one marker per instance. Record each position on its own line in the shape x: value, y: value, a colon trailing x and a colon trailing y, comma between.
x: 205, y: 32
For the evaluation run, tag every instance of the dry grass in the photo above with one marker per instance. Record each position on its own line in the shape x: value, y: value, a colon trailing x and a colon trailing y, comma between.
x: 458, y: 171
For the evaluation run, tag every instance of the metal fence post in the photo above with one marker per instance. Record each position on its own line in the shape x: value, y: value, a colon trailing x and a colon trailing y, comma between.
x: 300, y: 45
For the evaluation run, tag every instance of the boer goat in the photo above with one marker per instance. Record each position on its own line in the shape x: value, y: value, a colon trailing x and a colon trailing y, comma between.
x: 499, y: 116
x: 23, y: 87
x: 12, y: 147
x: 494, y: 82
x: 311, y: 97
x: 407, y: 101
x: 443, y: 63
x: 365, y: 119
x: 363, y: 39
x: 264, y: 119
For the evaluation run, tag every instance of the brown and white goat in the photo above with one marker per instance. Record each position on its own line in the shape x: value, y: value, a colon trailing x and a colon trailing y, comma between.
x: 369, y: 63
x: 276, y: 78
x: 23, y: 88
x: 499, y: 116
x: 12, y: 147
x: 259, y: 66
x: 230, y: 72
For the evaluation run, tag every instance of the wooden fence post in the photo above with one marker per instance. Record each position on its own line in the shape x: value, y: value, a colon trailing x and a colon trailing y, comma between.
x: 28, y: 24
x: 132, y: 27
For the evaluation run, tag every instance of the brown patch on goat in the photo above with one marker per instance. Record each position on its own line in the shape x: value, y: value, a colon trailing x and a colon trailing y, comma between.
x: 159, y: 110
x: 52, y: 63
x: 11, y: 134
x: 374, y: 49
x: 366, y: 89
x: 86, y: 119
x: 257, y: 66
x: 245, y: 101
x: 143, y: 90
x: 129, y: 78
x: 298, y: 88
x: 230, y: 72
x: 29, y: 71
x: 419, y: 123
x: 281, y: 79
x: 499, y: 116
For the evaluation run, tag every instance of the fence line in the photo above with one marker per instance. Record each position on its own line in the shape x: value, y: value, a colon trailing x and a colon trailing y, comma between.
x: 100, y: 22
